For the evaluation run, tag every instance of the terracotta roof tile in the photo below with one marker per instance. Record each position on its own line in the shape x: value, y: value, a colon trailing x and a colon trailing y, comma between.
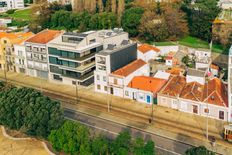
x: 147, y: 83
x: 44, y: 36
x: 16, y: 38
x: 216, y: 93
x: 193, y: 91
x: 130, y: 68
x: 174, y: 86
x: 144, y: 48
x: 175, y: 71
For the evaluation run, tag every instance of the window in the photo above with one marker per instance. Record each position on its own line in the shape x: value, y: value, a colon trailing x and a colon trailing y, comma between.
x: 126, y: 93
x: 195, y: 109
x: 92, y: 41
x: 206, y: 110
x: 74, y: 82
x: 98, y: 87
x: 54, y: 51
x: 221, y: 115
x: 57, y: 77
x: 53, y: 60
x: 105, y: 88
x: 104, y: 78
x: 98, y: 77
x: 115, y: 81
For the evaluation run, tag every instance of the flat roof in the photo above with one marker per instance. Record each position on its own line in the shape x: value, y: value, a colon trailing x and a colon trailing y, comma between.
x: 195, y: 72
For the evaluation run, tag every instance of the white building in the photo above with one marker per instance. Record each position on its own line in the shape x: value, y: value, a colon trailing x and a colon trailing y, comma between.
x: 147, y: 52
x: 11, y: 4
x: 5, y: 21
x: 203, y: 58
x: 194, y: 75
x: 20, y: 55
x: 204, y: 100
x: 36, y: 53
x: 230, y: 84
x: 162, y: 75
x: 225, y: 4
x: 144, y: 89
x: 120, y: 78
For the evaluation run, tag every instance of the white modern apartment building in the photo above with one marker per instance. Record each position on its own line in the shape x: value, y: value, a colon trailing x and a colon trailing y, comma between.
x: 36, y: 53
x: 11, y: 4
x: 230, y: 85
x: 110, y: 60
x: 72, y: 55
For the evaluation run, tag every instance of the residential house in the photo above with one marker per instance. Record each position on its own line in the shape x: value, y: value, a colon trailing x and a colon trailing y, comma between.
x: 7, y: 51
x: 120, y: 78
x: 110, y: 60
x: 169, y: 94
x: 20, y: 54
x: 225, y: 4
x: 162, y: 75
x: 37, y: 54
x: 205, y: 100
x: 147, y: 52
x: 144, y: 89
x: 11, y: 4
x: 202, y: 58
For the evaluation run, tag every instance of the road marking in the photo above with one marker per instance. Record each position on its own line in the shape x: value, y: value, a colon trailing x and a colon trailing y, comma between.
x: 108, y: 131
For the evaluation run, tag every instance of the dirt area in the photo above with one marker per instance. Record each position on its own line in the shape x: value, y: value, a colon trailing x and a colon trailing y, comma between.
x: 19, y: 147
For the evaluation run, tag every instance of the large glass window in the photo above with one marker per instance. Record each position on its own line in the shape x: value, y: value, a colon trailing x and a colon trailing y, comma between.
x: 65, y: 63
x: 54, y: 51
x: 53, y: 60
x: 64, y: 54
x: 72, y: 64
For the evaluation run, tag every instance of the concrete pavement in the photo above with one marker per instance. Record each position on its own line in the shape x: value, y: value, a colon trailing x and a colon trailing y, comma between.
x: 182, y: 126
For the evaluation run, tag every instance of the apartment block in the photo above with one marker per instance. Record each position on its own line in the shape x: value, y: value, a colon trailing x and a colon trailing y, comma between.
x: 36, y: 53
x: 11, y: 4
x: 72, y: 55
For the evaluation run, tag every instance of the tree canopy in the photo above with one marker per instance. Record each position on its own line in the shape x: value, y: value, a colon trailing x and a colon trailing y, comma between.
x: 199, y: 150
x: 29, y: 111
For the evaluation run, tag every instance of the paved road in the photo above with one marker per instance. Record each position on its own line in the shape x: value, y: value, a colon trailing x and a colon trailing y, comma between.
x: 111, y: 129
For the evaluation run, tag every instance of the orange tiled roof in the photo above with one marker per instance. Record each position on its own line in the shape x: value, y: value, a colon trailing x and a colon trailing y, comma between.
x: 130, y: 68
x: 216, y: 93
x: 147, y: 83
x: 214, y: 67
x: 193, y: 91
x: 175, y: 71
x: 44, y: 36
x: 16, y: 38
x: 174, y: 86
x: 144, y: 48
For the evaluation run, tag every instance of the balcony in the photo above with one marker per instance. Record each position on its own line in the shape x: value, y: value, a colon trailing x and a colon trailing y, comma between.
x: 86, y: 66
x: 41, y: 68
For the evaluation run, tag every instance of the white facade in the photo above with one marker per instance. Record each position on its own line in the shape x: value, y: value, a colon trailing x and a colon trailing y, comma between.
x: 5, y: 21
x: 230, y: 85
x: 37, y: 61
x: 20, y: 58
x: 11, y: 4
x: 118, y: 83
x: 194, y: 107
x: 150, y: 55
x: 139, y: 95
x: 164, y: 50
x: 225, y: 4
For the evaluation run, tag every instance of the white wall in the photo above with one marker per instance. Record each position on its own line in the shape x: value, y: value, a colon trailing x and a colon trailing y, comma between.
x: 147, y: 56
x: 20, y: 57
x: 166, y: 49
x: 200, y: 80
x: 138, y: 95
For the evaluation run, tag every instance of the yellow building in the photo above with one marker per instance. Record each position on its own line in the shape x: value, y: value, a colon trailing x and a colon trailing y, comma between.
x: 7, y: 55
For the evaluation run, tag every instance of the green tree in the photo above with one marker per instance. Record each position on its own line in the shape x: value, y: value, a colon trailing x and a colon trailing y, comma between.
x: 201, y: 150
x: 131, y: 20
x: 200, y: 15
x: 29, y: 111
x: 149, y: 148
x: 71, y: 138
x: 100, y: 145
x: 121, y: 145
x: 138, y: 146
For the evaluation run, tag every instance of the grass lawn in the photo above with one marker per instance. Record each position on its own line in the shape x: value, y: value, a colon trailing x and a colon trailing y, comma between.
x: 165, y: 43
x: 21, y: 14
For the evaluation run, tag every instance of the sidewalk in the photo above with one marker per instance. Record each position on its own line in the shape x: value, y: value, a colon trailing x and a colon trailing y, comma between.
x: 178, y: 125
